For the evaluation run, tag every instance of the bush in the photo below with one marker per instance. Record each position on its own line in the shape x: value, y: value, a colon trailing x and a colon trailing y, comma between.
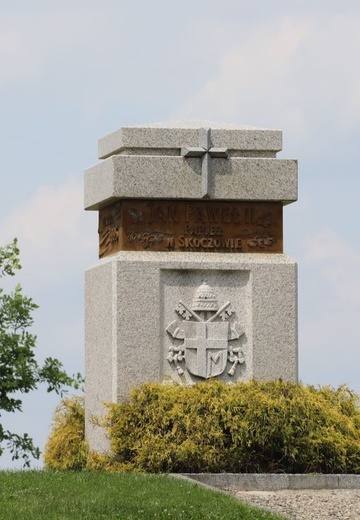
x: 66, y: 448
x: 248, y: 427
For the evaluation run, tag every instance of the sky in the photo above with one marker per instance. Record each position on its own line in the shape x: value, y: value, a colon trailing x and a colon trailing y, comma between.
x: 74, y: 71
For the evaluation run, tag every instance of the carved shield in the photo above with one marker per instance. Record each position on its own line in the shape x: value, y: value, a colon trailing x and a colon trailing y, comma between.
x: 206, y: 347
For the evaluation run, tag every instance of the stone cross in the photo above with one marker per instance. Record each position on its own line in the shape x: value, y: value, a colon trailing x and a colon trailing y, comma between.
x: 205, y: 151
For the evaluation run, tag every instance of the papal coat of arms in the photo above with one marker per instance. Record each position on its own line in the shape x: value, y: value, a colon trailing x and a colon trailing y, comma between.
x: 206, y: 330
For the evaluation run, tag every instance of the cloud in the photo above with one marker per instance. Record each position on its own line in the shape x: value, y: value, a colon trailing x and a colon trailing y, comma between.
x: 55, y: 235
x: 272, y: 69
x: 32, y: 42
x: 17, y: 57
x: 249, y: 76
x: 326, y: 246
x: 294, y: 72
x: 58, y: 240
x: 337, y: 263
x: 329, y: 305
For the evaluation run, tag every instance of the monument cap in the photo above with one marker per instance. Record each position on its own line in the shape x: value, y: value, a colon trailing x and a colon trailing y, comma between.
x: 191, y: 160
x: 170, y: 136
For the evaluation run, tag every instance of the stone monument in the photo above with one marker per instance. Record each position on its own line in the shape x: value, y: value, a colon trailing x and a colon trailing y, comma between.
x: 192, y: 281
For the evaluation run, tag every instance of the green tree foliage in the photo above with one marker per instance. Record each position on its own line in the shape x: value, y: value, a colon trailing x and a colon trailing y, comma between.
x: 253, y: 427
x: 19, y: 370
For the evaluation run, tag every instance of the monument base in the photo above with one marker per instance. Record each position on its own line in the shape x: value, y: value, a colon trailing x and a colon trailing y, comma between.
x: 186, y: 317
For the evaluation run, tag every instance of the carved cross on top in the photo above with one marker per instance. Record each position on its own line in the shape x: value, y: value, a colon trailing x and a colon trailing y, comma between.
x: 205, y: 151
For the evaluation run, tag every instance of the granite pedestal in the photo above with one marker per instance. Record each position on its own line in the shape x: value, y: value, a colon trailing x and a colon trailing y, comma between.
x: 192, y: 283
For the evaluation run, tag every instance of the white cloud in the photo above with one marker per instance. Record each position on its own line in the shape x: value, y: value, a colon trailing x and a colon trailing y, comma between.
x: 17, y: 57
x: 337, y: 264
x: 58, y: 240
x: 250, y: 73
x: 55, y: 235
x: 325, y: 246
x: 289, y: 68
x: 329, y: 303
x: 295, y: 72
x: 32, y: 42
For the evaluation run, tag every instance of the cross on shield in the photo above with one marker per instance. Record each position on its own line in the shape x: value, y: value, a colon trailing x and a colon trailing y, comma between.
x: 206, y: 346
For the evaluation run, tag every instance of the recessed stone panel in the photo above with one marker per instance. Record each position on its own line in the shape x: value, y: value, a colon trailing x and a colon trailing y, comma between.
x: 207, y: 323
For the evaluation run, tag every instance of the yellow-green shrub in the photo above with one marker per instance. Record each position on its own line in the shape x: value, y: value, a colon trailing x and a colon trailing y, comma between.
x: 66, y: 448
x: 248, y: 427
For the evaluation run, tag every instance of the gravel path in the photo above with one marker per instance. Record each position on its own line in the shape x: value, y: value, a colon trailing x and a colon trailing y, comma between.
x: 307, y: 504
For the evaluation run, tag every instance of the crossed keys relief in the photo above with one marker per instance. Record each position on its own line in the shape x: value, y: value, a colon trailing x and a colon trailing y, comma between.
x: 206, y: 330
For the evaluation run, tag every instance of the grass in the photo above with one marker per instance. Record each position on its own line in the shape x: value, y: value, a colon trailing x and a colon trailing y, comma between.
x: 49, y: 495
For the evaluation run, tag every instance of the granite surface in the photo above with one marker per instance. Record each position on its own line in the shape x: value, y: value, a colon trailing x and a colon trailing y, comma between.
x: 167, y: 177
x: 132, y: 298
x: 148, y: 161
x: 183, y: 133
x: 100, y: 349
x: 275, y: 481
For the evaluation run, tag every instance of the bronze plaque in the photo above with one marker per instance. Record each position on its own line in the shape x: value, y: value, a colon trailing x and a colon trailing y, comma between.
x: 198, y: 226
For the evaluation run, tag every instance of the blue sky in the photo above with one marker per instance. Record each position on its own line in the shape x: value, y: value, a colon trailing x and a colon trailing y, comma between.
x: 73, y: 71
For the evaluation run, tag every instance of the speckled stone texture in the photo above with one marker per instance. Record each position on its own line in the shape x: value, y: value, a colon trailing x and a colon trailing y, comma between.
x: 275, y: 481
x: 177, y: 134
x: 235, y: 178
x: 131, y: 298
x: 146, y: 162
